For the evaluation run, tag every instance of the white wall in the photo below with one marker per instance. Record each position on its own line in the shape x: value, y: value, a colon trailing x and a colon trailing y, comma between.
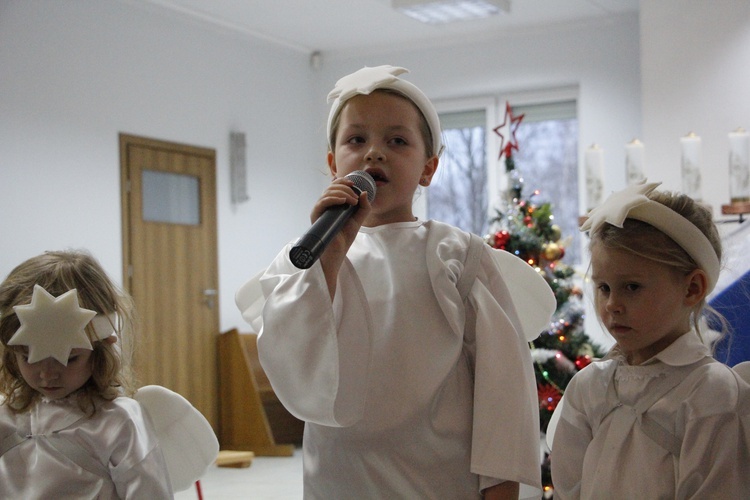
x: 75, y: 73
x: 696, y: 75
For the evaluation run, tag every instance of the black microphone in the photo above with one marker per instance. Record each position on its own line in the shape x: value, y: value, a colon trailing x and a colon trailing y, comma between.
x: 311, y: 245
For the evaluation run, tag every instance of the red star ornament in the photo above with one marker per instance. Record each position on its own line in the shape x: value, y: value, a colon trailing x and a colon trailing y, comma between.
x: 508, y: 128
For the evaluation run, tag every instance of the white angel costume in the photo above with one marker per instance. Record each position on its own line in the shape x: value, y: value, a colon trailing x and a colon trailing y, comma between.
x: 677, y: 426
x: 142, y: 447
x: 407, y: 389
x: 60, y: 453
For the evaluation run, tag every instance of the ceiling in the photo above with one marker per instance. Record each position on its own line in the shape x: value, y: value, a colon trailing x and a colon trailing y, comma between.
x: 329, y: 26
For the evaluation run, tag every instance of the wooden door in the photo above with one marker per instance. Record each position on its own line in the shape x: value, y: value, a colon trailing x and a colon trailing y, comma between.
x: 170, y: 265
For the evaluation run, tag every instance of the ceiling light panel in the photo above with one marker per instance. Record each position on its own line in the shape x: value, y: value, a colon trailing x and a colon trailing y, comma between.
x: 447, y: 11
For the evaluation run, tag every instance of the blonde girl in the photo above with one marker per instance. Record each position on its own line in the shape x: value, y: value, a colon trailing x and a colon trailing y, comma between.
x: 658, y: 417
x: 66, y: 428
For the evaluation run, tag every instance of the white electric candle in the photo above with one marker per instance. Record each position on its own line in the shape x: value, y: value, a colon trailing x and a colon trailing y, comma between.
x: 634, y: 152
x: 594, y: 162
x: 691, y: 166
x: 739, y: 166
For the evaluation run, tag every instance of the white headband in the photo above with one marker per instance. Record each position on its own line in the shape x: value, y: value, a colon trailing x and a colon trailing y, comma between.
x: 52, y: 327
x: 633, y: 203
x: 366, y: 80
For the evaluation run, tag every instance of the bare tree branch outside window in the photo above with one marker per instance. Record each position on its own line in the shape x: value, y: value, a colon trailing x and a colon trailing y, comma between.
x: 547, y: 159
x: 458, y: 194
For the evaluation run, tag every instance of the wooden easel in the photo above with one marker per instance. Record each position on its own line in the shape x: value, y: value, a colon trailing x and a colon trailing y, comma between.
x: 246, y: 401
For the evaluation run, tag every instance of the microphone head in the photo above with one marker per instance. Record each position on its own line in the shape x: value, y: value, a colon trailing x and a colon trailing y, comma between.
x: 364, y: 182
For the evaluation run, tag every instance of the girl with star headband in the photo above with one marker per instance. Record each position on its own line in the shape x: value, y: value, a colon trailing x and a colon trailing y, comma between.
x: 66, y: 388
x: 404, y: 348
x: 658, y: 417
x: 29, y: 291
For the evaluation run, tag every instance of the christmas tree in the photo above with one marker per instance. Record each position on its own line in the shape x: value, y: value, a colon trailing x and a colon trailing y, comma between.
x: 527, y: 229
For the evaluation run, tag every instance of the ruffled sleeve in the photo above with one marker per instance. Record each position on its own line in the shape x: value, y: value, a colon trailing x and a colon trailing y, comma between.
x: 507, y: 281
x: 508, y: 305
x: 304, y: 336
x: 715, y: 456
x: 136, y: 463
x: 573, y: 433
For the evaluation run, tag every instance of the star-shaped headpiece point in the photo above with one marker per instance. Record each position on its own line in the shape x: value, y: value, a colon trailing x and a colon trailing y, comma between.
x: 369, y: 79
x: 615, y: 209
x: 365, y: 81
x: 52, y: 327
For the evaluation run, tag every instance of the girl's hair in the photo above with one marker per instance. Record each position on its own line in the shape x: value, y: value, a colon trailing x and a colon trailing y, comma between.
x: 644, y: 240
x: 424, y: 127
x: 59, y: 272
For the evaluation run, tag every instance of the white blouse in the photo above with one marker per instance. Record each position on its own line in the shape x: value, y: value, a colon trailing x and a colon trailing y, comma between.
x: 692, y: 442
x: 55, y: 451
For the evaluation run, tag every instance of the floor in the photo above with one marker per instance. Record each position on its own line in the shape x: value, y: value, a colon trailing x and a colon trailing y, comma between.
x: 267, y: 478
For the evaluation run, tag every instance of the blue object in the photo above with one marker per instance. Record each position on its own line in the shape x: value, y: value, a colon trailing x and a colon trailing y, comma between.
x: 734, y: 304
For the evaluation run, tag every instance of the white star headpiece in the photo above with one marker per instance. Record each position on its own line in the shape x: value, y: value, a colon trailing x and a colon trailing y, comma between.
x: 52, y: 327
x: 366, y: 80
x: 633, y: 202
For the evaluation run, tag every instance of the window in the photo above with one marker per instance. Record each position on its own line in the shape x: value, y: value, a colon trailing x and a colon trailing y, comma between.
x: 469, y: 185
x: 458, y: 194
x: 170, y: 197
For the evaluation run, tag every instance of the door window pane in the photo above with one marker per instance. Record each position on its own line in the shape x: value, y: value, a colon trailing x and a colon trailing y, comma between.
x: 171, y: 198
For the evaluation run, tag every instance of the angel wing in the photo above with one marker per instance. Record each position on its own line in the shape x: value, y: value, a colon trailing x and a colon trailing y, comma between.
x: 186, y: 438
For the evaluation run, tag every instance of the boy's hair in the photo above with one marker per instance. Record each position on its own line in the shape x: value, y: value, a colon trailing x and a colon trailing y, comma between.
x: 59, y: 272
x: 644, y: 240
x: 385, y: 78
x: 424, y: 128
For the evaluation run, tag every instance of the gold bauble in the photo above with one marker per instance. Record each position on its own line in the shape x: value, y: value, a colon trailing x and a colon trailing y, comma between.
x: 551, y: 251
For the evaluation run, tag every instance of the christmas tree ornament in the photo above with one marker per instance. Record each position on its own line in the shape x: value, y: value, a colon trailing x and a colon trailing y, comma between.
x: 551, y: 251
x: 583, y: 361
x: 507, y: 132
x: 555, y: 232
x: 501, y: 239
x: 549, y: 397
